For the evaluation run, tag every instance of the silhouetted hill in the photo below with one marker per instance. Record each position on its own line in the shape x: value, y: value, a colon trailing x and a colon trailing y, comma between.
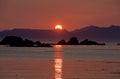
x: 33, y: 34
x: 108, y: 34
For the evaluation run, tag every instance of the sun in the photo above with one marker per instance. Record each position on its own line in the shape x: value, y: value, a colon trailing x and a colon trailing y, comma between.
x: 58, y: 27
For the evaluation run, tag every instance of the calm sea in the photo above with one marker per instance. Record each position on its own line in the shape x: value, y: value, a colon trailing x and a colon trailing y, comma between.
x: 68, y: 52
x: 60, y: 62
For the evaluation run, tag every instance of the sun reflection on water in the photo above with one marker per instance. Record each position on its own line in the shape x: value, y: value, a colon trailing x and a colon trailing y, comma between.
x: 58, y: 62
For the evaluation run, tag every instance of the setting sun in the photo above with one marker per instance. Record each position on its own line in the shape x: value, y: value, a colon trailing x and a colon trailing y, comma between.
x: 58, y: 27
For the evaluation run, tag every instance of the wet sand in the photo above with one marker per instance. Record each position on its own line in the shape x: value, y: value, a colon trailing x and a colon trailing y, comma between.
x: 31, y: 68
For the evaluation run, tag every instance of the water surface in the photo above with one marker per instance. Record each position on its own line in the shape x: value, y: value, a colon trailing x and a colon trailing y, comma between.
x: 60, y: 62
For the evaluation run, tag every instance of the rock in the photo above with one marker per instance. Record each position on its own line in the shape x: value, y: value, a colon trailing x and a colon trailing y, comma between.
x: 73, y: 41
x: 62, y: 42
x: 89, y: 42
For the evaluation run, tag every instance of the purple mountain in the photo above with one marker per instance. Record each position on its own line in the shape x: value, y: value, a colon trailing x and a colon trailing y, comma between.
x: 109, y: 34
x: 33, y: 34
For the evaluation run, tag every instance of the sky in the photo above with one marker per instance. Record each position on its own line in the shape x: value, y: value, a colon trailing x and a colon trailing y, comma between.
x: 71, y: 14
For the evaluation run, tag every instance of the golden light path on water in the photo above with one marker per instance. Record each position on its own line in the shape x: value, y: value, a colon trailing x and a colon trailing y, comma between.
x: 58, y: 61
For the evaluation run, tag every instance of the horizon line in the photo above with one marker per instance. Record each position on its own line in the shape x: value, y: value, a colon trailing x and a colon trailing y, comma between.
x: 63, y: 28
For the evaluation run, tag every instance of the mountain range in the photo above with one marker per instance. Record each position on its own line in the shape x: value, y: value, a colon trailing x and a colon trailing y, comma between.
x: 103, y: 34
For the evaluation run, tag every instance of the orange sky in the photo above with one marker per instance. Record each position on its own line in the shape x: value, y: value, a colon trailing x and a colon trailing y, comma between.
x: 45, y: 14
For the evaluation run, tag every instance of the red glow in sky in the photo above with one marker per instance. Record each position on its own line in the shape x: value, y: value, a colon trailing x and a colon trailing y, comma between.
x: 44, y: 14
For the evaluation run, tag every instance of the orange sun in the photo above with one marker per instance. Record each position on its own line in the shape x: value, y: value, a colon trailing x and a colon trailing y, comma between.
x: 58, y: 27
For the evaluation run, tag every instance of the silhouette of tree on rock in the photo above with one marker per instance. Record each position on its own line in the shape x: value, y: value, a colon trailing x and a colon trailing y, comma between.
x: 12, y: 40
x: 73, y: 41
x: 62, y: 42
x: 28, y: 43
x: 89, y: 42
x: 37, y: 43
x: 19, y: 42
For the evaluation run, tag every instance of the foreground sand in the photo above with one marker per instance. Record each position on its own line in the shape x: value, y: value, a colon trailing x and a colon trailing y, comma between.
x: 71, y: 69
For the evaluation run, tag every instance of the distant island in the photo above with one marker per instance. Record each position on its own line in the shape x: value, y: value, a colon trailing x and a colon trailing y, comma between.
x: 74, y: 41
x: 89, y: 42
x: 15, y: 41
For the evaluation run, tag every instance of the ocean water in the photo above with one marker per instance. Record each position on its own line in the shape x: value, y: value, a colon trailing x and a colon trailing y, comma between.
x: 68, y: 52
x: 60, y: 62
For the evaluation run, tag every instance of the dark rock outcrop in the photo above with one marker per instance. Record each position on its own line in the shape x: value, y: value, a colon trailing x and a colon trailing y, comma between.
x: 89, y: 42
x: 118, y: 44
x: 73, y: 41
x: 62, y: 42
x: 12, y: 41
x: 15, y: 41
